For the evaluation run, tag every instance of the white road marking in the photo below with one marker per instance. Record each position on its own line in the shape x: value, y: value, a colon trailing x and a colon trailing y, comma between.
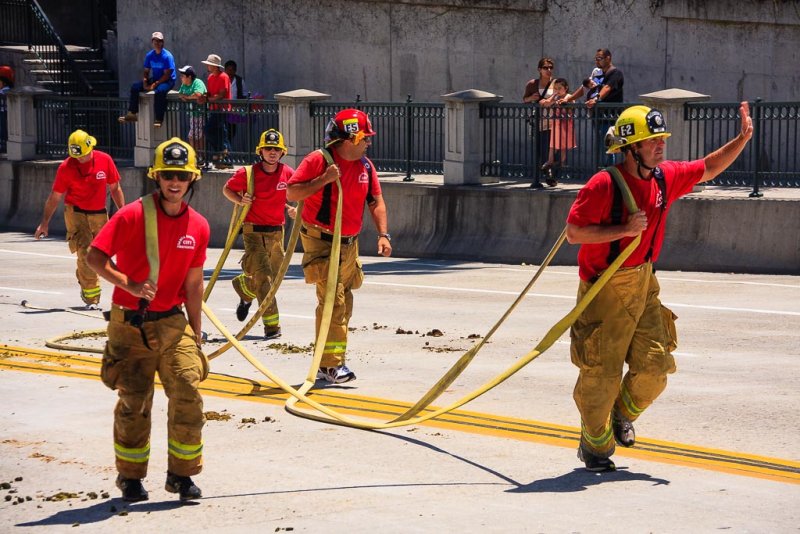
x: 37, y: 254
x: 30, y: 290
x: 546, y: 295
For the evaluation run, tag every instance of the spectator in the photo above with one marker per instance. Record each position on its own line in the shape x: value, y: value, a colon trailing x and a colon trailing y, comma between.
x: 626, y: 322
x: 347, y: 138
x: 238, y: 92
x: 219, y: 88
x: 159, y: 76
x: 6, y: 83
x: 562, y: 135
x: 611, y: 90
x: 193, y: 89
x: 262, y: 231
x: 81, y: 180
x: 539, y: 90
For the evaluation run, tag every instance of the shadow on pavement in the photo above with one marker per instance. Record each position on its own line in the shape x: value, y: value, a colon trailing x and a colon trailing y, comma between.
x: 580, y: 480
x: 104, y: 510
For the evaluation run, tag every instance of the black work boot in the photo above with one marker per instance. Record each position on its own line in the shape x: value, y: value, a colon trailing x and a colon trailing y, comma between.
x: 242, y: 309
x: 624, y: 433
x: 182, y: 485
x: 594, y: 463
x: 132, y: 489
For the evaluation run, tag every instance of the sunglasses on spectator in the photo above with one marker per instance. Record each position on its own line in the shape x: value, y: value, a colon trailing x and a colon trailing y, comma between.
x: 548, y: 67
x: 180, y: 176
x: 599, y: 58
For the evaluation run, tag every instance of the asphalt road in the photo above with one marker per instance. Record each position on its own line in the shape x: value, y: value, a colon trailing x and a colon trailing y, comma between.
x: 717, y: 451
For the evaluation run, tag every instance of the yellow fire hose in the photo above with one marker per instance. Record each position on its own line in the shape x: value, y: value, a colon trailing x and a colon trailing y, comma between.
x: 411, y: 416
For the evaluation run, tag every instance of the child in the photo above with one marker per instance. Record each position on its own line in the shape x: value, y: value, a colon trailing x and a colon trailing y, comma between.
x: 191, y: 90
x: 593, y: 83
x: 562, y: 136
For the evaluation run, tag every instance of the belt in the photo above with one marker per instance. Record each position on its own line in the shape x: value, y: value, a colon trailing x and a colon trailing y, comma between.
x: 147, y: 316
x: 311, y: 232
x: 88, y: 212
x: 260, y: 228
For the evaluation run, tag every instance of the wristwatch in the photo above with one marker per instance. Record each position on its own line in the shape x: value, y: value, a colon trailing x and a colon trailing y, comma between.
x: 387, y: 236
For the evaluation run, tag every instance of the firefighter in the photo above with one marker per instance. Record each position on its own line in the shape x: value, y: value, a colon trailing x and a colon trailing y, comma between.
x: 81, y: 180
x: 626, y: 322
x: 154, y: 322
x: 263, y: 227
x: 347, y: 138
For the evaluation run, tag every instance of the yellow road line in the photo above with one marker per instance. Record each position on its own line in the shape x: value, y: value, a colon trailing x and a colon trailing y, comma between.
x: 777, y: 469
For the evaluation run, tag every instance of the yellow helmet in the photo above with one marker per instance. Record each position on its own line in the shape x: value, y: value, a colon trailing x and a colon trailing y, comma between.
x: 271, y: 137
x: 636, y: 123
x: 175, y: 155
x: 80, y: 143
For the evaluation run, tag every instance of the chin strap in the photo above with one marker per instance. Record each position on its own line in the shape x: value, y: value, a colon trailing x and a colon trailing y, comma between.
x: 640, y: 164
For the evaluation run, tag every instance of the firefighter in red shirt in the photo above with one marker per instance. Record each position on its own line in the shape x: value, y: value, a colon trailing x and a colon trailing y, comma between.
x: 347, y: 138
x: 148, y: 331
x: 626, y: 322
x: 81, y: 180
x: 262, y: 230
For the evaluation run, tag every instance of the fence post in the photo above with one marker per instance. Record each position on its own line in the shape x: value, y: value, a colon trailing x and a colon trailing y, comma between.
x: 22, y: 128
x: 463, y: 136
x: 409, y: 139
x: 148, y: 137
x: 294, y: 118
x: 756, y: 148
x: 670, y: 102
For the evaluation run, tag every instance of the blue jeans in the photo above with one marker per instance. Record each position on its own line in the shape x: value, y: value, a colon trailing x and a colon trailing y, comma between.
x: 161, y: 91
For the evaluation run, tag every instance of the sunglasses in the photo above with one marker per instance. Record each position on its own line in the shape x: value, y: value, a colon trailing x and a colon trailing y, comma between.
x: 272, y: 148
x: 599, y: 58
x: 547, y: 68
x: 176, y: 175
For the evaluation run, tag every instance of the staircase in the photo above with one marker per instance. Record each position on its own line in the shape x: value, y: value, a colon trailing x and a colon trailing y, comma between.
x: 90, y: 62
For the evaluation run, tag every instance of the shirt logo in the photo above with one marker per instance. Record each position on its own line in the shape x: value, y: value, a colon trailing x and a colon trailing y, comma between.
x: 101, y: 175
x: 186, y: 242
x: 281, y: 186
x: 363, y: 178
x: 659, y: 199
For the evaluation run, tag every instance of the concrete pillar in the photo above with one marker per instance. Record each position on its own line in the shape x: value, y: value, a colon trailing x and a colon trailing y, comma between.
x: 21, y: 143
x: 670, y: 103
x: 148, y: 137
x: 463, y: 136
x: 294, y: 112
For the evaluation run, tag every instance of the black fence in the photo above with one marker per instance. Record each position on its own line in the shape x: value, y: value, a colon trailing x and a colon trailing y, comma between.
x: 59, y: 116
x: 409, y: 136
x: 519, y: 139
x: 771, y: 159
x: 231, y: 127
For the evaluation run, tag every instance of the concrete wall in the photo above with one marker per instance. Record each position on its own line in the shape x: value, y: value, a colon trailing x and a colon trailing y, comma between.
x: 384, y: 50
x: 483, y: 224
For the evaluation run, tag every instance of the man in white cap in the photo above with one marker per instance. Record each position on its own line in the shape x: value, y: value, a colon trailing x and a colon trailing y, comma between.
x: 158, y: 76
x: 219, y: 88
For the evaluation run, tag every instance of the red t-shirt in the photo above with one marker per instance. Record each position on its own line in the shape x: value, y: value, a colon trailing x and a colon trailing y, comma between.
x: 182, y: 243
x: 269, y: 192
x: 85, y: 183
x: 216, y: 83
x: 354, y: 176
x: 593, y: 206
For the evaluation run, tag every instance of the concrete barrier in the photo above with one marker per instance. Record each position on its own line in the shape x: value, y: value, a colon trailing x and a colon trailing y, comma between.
x: 705, y: 232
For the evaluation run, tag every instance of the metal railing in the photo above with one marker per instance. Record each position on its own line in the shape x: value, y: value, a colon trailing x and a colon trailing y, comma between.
x: 771, y: 159
x: 243, y: 121
x: 410, y: 135
x: 58, y: 116
x: 3, y: 123
x: 24, y: 22
x: 518, y: 139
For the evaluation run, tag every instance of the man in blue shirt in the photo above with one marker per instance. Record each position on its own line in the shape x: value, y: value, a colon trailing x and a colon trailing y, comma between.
x: 158, y: 76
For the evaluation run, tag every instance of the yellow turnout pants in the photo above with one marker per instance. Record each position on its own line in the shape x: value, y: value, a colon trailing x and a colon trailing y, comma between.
x: 129, y: 366
x: 81, y: 229
x: 263, y: 255
x: 316, y: 257
x: 625, y: 323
